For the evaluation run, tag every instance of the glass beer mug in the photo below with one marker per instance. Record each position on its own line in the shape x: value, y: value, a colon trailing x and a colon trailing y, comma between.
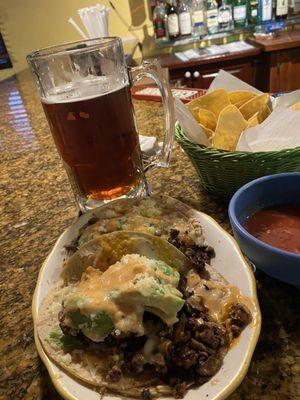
x: 85, y: 92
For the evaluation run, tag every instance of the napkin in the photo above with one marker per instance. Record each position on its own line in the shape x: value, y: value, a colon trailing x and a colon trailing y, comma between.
x: 281, y: 130
x: 225, y: 80
x: 191, y: 128
x: 149, y: 145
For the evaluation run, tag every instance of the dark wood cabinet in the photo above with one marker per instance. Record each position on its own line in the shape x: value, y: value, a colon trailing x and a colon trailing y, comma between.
x: 200, y: 73
x: 278, y: 67
x: 285, y: 70
x: 242, y: 71
x: 201, y: 77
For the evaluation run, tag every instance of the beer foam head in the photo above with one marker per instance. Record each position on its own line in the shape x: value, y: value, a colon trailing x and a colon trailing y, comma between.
x: 82, y: 90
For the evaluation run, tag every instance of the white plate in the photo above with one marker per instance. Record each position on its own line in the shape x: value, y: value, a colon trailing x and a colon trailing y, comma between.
x: 228, y: 261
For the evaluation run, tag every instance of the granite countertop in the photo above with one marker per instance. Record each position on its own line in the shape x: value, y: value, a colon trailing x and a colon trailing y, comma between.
x: 36, y: 205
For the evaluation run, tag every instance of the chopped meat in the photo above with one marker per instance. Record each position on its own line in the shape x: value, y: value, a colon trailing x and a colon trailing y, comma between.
x: 211, y: 366
x: 137, y: 362
x: 159, y: 363
x: 188, y: 357
x: 239, y: 315
x: 114, y: 374
x: 198, y: 255
x: 212, y: 334
x: 146, y: 394
x: 196, y: 345
x: 179, y: 390
x: 196, y: 306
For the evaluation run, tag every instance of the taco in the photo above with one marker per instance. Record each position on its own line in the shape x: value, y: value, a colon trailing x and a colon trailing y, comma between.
x: 133, y: 315
x: 155, y: 215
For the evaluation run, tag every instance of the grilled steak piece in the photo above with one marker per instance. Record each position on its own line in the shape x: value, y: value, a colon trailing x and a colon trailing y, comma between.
x: 114, y: 374
x: 238, y: 318
x: 198, y: 255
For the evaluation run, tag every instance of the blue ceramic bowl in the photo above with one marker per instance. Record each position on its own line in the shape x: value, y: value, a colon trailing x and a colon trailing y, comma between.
x: 261, y: 193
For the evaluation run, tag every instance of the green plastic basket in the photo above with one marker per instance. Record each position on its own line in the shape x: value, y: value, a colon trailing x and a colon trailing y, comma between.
x: 222, y: 172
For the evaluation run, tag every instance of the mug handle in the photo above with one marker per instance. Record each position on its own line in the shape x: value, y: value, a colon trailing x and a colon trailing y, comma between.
x: 153, y: 70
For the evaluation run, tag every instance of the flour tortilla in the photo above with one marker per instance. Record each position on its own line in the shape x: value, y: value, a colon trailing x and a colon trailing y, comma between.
x: 107, y: 249
x: 101, y: 253
x: 90, y: 367
x: 155, y: 215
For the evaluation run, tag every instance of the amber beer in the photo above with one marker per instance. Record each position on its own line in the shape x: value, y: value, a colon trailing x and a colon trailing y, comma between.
x: 97, y: 140
x: 85, y: 91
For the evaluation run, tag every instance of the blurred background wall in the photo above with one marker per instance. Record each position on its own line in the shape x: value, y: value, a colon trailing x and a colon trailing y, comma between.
x: 28, y: 25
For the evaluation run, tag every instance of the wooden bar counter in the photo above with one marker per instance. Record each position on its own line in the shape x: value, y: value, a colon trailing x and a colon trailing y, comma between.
x: 37, y: 205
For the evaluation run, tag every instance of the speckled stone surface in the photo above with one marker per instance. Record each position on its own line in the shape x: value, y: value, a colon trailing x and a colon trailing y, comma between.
x: 36, y: 205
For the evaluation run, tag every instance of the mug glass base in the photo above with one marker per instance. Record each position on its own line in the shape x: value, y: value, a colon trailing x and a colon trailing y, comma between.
x: 84, y: 204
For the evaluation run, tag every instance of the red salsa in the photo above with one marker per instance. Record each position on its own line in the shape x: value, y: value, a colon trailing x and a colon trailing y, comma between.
x: 278, y: 226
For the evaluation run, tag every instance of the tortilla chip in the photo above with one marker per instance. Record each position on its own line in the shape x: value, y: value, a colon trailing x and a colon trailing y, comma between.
x: 231, y: 124
x: 240, y: 96
x: 240, y: 103
x: 295, y: 106
x: 208, y: 132
x: 215, y: 102
x: 264, y: 113
x: 253, y: 121
x: 207, y: 119
x: 254, y: 105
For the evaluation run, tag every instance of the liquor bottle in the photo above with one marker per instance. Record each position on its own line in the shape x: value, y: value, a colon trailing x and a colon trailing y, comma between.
x: 172, y: 19
x: 185, y: 22
x: 212, y: 16
x: 253, y: 12
x: 198, y: 17
x: 239, y: 13
x: 296, y: 7
x: 159, y: 14
x: 265, y: 11
x: 281, y: 9
x: 291, y: 11
x: 225, y: 16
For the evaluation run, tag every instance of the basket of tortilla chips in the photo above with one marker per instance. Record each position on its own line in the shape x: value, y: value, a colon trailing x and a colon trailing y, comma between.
x: 224, y: 116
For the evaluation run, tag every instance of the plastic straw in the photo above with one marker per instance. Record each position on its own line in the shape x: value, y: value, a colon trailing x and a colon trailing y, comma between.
x: 73, y: 23
x: 85, y: 20
x: 95, y: 20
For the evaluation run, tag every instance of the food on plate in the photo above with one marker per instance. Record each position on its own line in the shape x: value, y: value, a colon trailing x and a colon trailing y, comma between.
x: 240, y: 96
x: 155, y: 215
x: 263, y: 113
x: 253, y: 121
x: 214, y: 101
x: 99, y: 252
x: 278, y: 226
x: 231, y: 124
x: 207, y: 118
x: 254, y: 105
x: 243, y: 109
x: 208, y: 132
x: 139, y: 314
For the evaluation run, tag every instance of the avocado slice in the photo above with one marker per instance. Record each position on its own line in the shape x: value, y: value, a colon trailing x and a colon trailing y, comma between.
x: 94, y: 327
x: 163, y: 300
